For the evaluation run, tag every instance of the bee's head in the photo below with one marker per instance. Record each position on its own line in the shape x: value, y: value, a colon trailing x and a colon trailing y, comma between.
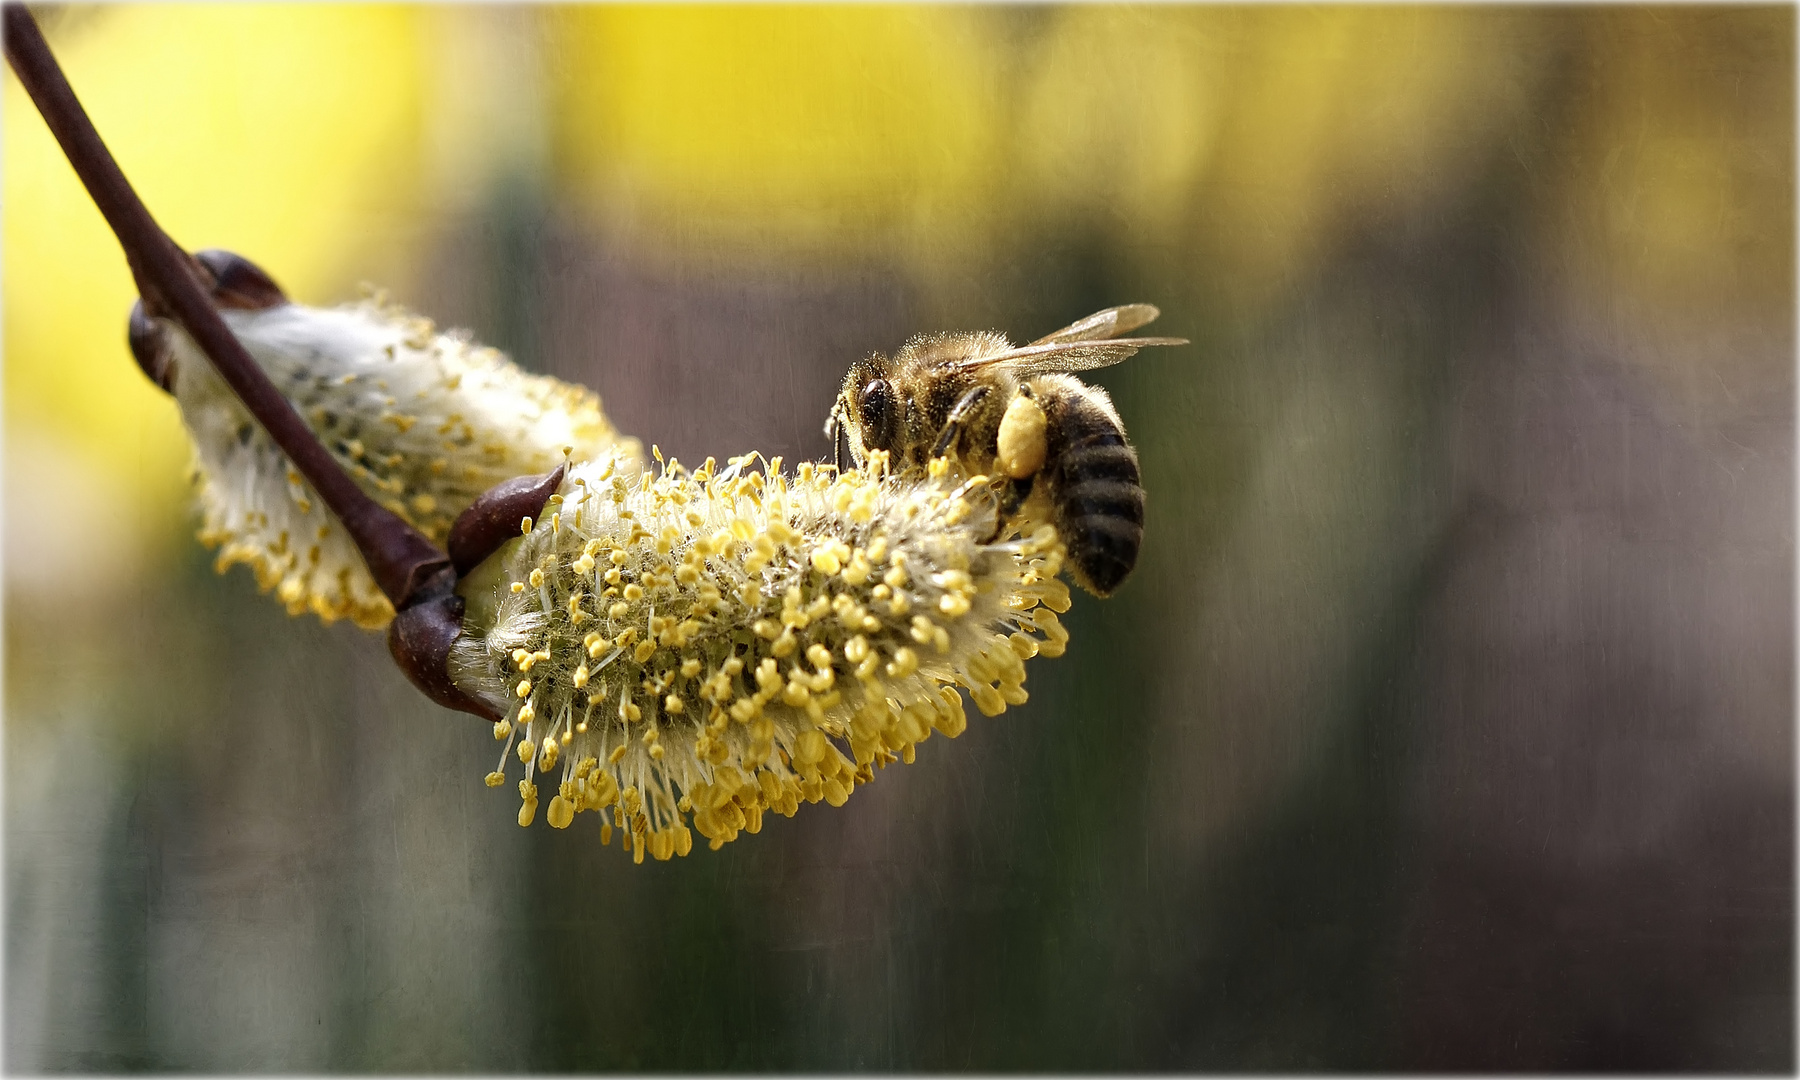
x: 867, y: 413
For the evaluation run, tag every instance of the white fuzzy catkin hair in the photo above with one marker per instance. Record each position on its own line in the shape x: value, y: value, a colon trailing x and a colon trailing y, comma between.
x: 706, y: 646
x: 423, y: 421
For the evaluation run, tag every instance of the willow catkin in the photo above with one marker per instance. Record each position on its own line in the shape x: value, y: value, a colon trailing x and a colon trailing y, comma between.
x: 423, y: 421
x: 703, y: 647
x: 677, y: 651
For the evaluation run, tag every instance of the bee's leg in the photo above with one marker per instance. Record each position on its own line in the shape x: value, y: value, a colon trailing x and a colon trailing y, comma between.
x: 1013, y: 494
x: 958, y: 415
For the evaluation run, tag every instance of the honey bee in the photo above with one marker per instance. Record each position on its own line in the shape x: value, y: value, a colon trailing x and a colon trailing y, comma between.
x: 1055, y: 444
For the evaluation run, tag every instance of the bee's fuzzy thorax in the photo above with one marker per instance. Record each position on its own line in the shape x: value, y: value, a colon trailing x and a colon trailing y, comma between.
x: 423, y: 421
x: 701, y: 647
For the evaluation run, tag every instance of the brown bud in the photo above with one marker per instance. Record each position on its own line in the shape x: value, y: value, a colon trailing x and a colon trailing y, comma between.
x: 237, y: 283
x: 234, y: 282
x: 420, y: 638
x: 150, y: 347
x: 493, y: 518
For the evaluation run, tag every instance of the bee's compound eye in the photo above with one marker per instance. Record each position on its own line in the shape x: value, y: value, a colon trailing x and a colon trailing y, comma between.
x: 239, y: 283
x: 879, y: 410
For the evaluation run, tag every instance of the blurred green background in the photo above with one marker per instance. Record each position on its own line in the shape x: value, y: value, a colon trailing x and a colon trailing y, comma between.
x: 1447, y: 723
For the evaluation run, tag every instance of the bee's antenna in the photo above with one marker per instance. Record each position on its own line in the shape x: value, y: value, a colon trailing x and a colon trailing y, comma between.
x: 840, y: 439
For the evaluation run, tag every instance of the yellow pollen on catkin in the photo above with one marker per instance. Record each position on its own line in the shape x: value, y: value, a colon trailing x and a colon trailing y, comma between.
x: 561, y: 813
x: 764, y: 640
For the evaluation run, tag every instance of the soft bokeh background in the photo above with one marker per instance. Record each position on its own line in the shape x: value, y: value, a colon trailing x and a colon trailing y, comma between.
x: 1447, y: 723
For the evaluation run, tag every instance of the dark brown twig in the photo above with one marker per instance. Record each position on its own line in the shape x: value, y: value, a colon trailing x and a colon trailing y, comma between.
x: 400, y: 559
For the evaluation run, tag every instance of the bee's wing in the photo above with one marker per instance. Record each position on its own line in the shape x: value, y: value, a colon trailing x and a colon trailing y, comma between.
x: 1058, y: 356
x: 1104, y: 324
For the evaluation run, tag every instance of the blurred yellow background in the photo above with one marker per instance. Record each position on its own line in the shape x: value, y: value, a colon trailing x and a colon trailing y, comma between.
x: 1462, y: 619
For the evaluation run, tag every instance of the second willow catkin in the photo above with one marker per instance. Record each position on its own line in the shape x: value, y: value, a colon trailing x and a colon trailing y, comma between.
x: 699, y: 648
x: 424, y: 422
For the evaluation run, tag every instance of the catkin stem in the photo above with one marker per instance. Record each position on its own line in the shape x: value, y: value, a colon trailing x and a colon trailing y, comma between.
x: 400, y: 559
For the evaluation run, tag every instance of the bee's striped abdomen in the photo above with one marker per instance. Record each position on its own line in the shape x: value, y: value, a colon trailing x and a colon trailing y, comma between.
x: 1097, y: 494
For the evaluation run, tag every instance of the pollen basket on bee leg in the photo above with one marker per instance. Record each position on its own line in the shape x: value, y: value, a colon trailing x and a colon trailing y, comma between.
x: 1020, y: 446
